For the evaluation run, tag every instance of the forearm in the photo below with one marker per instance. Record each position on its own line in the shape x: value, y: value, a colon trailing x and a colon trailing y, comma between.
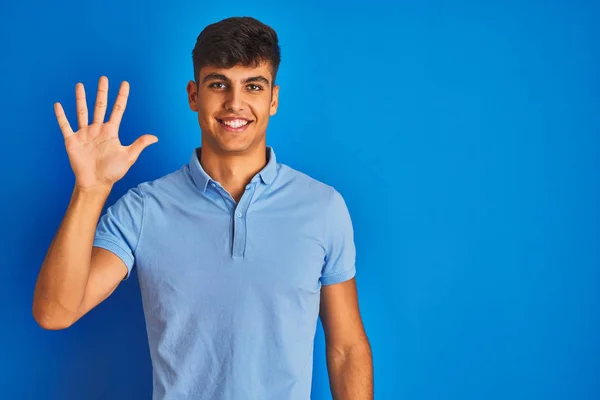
x: 63, y: 277
x: 351, y: 373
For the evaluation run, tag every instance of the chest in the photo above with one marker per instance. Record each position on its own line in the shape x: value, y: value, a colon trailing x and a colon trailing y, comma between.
x: 226, y: 262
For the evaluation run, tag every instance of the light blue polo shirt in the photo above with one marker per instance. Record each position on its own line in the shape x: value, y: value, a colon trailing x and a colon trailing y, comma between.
x: 230, y: 291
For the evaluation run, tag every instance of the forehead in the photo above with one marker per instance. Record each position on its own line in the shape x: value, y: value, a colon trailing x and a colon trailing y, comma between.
x: 238, y: 72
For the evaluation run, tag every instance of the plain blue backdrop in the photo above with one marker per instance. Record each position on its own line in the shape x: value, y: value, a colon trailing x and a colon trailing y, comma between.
x: 464, y: 138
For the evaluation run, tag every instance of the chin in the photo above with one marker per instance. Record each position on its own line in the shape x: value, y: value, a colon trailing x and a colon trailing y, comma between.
x: 231, y: 142
x: 234, y: 146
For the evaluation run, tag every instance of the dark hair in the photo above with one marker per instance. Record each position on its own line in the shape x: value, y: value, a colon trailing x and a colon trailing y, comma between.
x: 236, y: 40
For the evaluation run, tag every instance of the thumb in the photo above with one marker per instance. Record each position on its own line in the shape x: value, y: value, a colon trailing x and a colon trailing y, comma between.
x: 136, y: 148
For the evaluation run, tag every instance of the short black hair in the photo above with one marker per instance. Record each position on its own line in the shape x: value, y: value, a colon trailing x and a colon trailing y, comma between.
x: 236, y: 40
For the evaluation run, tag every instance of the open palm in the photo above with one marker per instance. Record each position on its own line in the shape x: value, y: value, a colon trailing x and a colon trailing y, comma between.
x: 95, y: 152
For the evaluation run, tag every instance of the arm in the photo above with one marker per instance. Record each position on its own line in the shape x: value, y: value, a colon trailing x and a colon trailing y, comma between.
x: 75, y: 277
x: 349, y: 359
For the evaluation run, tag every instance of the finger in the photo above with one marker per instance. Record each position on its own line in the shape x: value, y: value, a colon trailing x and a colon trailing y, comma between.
x: 82, y: 111
x: 120, y: 103
x: 63, y: 122
x: 101, y: 100
x: 140, y: 144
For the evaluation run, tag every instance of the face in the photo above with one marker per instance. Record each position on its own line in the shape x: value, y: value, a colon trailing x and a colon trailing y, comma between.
x: 233, y: 106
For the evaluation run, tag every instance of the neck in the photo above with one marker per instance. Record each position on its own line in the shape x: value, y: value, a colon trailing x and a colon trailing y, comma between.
x: 233, y: 171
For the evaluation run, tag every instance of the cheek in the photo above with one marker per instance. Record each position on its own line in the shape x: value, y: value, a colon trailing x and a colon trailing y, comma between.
x: 207, y: 104
x: 205, y: 114
x: 263, y: 110
x: 206, y: 123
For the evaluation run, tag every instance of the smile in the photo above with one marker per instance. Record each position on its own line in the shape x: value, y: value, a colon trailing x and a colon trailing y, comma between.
x: 234, y: 125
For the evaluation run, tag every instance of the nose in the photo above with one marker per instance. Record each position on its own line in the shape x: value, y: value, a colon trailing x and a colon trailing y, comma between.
x: 233, y: 100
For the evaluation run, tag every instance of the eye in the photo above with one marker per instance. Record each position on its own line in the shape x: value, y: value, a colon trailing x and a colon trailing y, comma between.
x: 254, y: 88
x: 215, y: 85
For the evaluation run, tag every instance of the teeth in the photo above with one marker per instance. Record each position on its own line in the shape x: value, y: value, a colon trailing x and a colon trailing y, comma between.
x: 236, y: 123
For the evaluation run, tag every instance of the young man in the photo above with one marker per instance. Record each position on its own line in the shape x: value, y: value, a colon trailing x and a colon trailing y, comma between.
x: 237, y: 254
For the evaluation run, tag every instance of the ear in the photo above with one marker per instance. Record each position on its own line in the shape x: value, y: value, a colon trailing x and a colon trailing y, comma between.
x: 274, y: 100
x: 192, y: 92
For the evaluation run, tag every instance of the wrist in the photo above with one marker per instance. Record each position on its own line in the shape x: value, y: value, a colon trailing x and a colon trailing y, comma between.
x: 96, y: 192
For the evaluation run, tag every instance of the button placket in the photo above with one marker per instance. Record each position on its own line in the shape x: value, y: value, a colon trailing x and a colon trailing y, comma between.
x: 239, y: 223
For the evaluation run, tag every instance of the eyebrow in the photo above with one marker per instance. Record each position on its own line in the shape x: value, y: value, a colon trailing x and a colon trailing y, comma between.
x: 213, y: 76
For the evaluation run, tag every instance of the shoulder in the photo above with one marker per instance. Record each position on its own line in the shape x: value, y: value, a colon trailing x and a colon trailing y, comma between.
x: 306, y: 185
x: 318, y: 194
x: 171, y: 184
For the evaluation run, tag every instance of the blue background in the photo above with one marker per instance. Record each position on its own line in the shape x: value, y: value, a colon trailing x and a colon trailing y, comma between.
x: 464, y: 138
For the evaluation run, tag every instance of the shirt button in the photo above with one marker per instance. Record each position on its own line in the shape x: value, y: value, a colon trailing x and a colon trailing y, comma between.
x: 213, y: 184
x: 248, y: 187
x: 239, y: 215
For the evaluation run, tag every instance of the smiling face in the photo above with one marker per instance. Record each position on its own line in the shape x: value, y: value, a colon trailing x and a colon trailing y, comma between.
x: 233, y: 106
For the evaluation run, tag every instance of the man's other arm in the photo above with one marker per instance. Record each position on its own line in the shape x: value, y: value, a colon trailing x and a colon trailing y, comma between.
x: 349, y: 357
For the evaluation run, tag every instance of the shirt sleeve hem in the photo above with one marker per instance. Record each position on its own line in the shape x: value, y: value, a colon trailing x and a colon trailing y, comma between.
x: 338, y: 277
x: 118, y: 251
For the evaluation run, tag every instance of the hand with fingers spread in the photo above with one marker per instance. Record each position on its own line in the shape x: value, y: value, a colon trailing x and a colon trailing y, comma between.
x: 95, y: 153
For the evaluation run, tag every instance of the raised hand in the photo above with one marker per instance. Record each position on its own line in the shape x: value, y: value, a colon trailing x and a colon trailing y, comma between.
x: 95, y: 153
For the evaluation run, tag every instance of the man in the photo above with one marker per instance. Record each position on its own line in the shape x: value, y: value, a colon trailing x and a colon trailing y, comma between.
x: 237, y: 254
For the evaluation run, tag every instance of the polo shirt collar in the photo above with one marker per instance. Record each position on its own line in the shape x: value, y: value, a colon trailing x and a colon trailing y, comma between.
x: 202, y: 179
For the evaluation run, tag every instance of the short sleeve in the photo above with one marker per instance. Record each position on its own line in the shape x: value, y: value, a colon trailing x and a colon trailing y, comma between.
x: 120, y: 227
x: 340, y: 260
